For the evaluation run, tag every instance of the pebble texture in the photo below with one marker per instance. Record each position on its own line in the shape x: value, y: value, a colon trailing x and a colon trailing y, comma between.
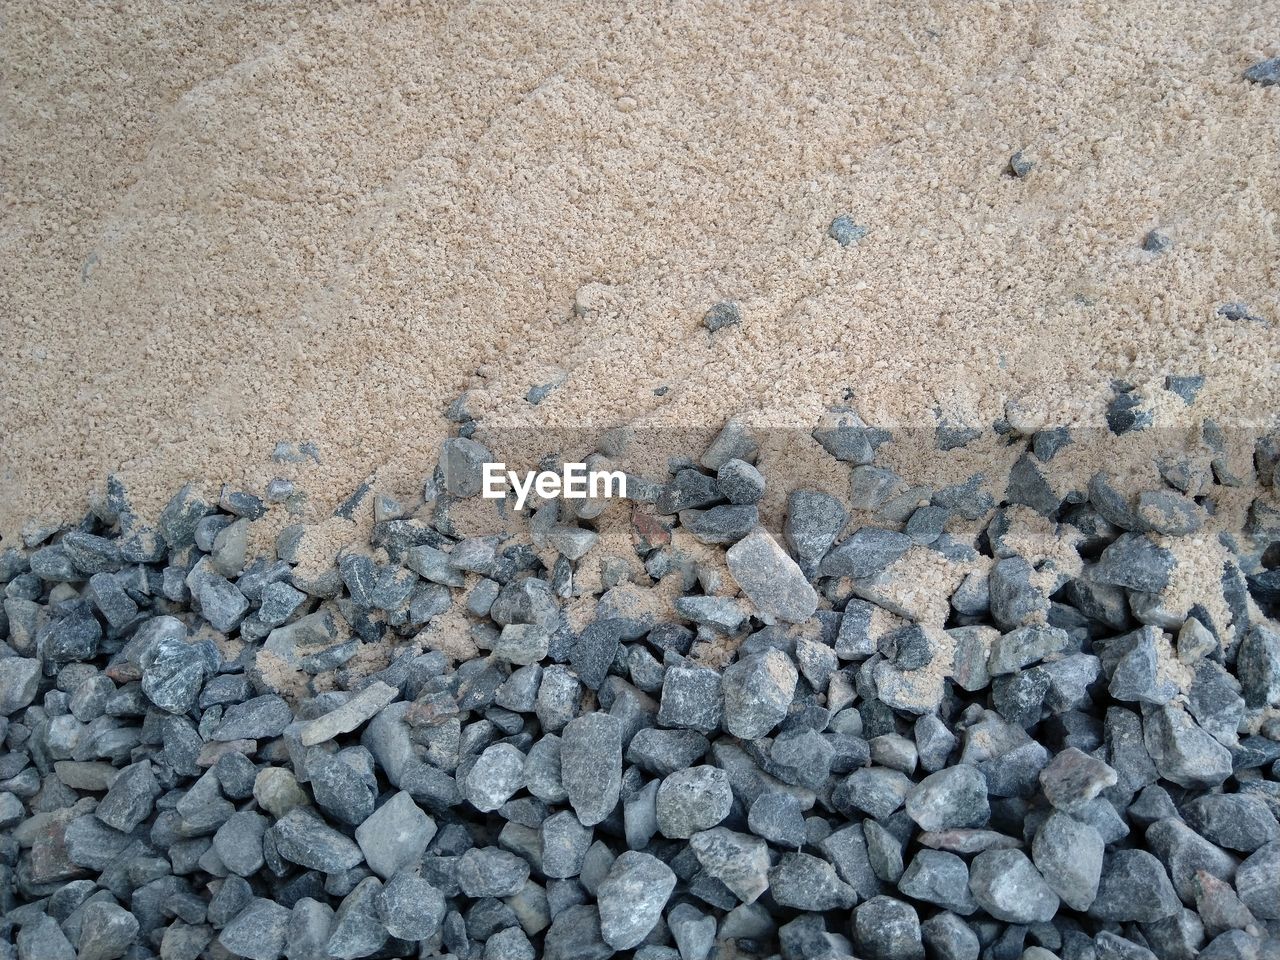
x: 798, y: 757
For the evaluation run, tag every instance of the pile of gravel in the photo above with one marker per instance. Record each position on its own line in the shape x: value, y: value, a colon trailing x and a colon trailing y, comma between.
x: 1066, y: 766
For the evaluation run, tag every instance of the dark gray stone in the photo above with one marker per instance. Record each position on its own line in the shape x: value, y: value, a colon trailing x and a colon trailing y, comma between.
x: 1023, y: 647
x: 1073, y: 778
x: 740, y: 482
x: 258, y: 719
x: 1184, y: 853
x: 302, y: 838
x: 1134, y: 562
x: 72, y: 637
x: 462, y: 464
x: 42, y: 939
x: 358, y: 929
x: 876, y: 791
x: 661, y: 752
x: 814, y: 520
x: 563, y: 843
x: 1265, y: 73
x: 1015, y: 600
x: 496, y: 776
x: 575, y: 934
x: 721, y: 315
x: 845, y: 232
x: 1182, y: 751
x: 947, y: 937
x: 1134, y: 887
x: 1132, y: 663
x: 1258, y: 881
x: 238, y: 842
x: 107, y: 930
x: 19, y: 683
x: 410, y: 907
x: 395, y: 836
x: 1237, y: 821
x: 726, y: 523
x: 343, y: 784
x: 778, y: 818
x: 771, y: 579
x: 1258, y: 667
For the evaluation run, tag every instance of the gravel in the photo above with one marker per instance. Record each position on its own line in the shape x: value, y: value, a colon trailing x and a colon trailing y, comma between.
x: 787, y: 752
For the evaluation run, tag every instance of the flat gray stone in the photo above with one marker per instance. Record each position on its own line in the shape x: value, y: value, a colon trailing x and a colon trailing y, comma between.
x: 350, y: 716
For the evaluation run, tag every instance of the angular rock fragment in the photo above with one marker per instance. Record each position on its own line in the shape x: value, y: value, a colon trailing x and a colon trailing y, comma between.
x: 771, y: 579
x: 591, y: 765
x: 631, y: 898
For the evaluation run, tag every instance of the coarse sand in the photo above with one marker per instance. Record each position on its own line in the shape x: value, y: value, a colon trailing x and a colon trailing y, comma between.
x: 227, y: 225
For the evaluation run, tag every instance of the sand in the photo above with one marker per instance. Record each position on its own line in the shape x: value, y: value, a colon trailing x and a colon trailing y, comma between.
x: 230, y: 225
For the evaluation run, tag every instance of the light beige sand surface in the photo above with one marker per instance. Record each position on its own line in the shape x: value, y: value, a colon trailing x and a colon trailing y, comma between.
x: 226, y: 225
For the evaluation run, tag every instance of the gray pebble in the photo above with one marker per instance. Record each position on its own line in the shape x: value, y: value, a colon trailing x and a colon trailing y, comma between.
x: 490, y: 872
x: 692, y: 800
x: 887, y: 929
x: 941, y: 878
x: 631, y: 898
x: 258, y: 932
x: 691, y: 699
x: 1007, y: 885
x: 757, y: 692
x: 953, y: 797
x: 1134, y: 887
x: 721, y: 315
x: 1069, y: 856
x: 808, y: 883
x: 591, y: 765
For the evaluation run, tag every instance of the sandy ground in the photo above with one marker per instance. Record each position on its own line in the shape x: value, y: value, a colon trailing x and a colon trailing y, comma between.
x: 227, y: 225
